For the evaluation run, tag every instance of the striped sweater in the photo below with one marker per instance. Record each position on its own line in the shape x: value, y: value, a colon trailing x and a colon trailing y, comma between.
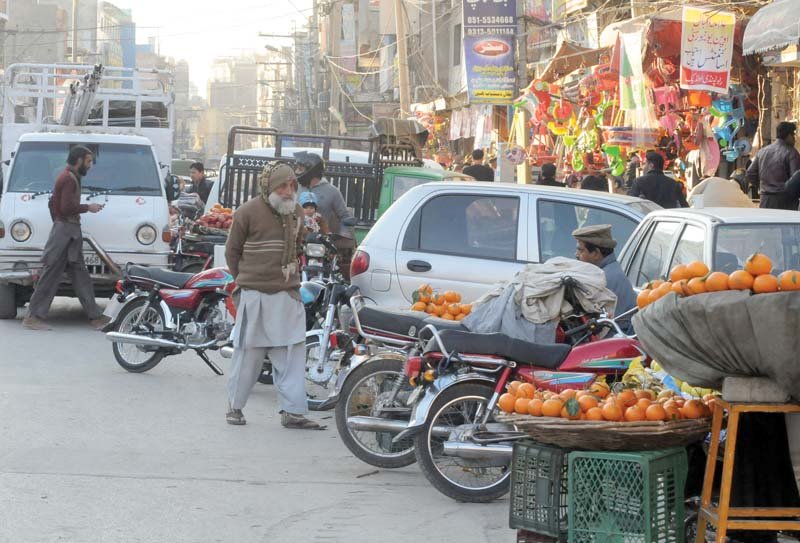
x: 255, y: 248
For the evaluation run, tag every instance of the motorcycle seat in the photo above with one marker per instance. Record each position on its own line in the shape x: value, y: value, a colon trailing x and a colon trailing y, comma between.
x: 545, y: 355
x: 397, y: 321
x: 160, y: 276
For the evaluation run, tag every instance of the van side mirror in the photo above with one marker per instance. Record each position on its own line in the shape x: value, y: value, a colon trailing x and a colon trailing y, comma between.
x: 172, y: 186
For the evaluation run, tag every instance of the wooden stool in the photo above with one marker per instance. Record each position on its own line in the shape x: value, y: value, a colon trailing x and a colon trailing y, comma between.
x: 724, y: 517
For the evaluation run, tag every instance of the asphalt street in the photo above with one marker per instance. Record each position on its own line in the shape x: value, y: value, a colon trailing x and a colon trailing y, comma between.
x: 90, y: 452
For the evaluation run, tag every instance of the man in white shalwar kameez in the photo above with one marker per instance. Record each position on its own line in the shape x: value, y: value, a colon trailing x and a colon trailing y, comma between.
x: 262, y: 253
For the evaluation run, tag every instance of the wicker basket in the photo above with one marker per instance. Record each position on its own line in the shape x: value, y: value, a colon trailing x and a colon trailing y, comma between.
x: 610, y: 436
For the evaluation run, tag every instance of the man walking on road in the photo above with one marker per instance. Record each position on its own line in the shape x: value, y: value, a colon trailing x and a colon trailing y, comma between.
x: 477, y: 169
x: 596, y: 246
x: 63, y: 251
x: 657, y: 187
x: 262, y: 254
x: 773, y: 166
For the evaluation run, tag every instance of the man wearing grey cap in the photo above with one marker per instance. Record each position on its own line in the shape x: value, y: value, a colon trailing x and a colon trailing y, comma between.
x: 596, y: 246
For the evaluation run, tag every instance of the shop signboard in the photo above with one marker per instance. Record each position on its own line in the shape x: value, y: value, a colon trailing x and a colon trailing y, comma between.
x: 489, y: 50
x: 706, y: 49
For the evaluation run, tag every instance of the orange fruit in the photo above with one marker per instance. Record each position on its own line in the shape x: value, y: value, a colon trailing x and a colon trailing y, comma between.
x: 526, y: 390
x: 643, y: 403
x: 758, y: 264
x: 652, y: 285
x: 696, y: 285
x: 680, y: 287
x: 513, y: 388
x: 587, y: 403
x: 567, y: 393
x: 425, y: 289
x: 643, y: 299
x: 595, y: 413
x: 656, y: 412
x: 565, y: 414
x: 452, y: 297
x: 439, y: 299
x: 448, y: 317
x: 461, y: 317
x: 506, y: 402
x: 659, y: 292
x: 521, y: 406
x: 535, y: 407
x: 552, y: 407
x: 697, y: 269
x: 789, y: 280
x: 627, y: 398
x: 740, y: 280
x: 673, y: 412
x: 634, y: 414
x: 679, y: 272
x: 693, y: 409
x: 600, y: 389
x: 649, y: 394
x: 419, y: 306
x: 431, y: 309
x: 765, y: 283
x: 612, y: 411
x: 454, y: 309
x: 424, y: 298
x: 466, y: 309
x: 665, y: 394
x: 717, y: 281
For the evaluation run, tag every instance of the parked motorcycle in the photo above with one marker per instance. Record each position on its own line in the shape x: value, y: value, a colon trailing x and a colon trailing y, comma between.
x: 459, y: 446
x: 320, y: 261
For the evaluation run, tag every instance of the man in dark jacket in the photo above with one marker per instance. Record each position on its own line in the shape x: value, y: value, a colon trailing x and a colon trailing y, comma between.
x: 657, y: 187
x: 200, y: 184
x: 548, y: 177
x: 63, y: 251
x: 478, y: 169
x: 773, y: 166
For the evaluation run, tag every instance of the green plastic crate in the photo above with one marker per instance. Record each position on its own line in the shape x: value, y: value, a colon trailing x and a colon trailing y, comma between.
x: 539, y: 490
x: 627, y: 497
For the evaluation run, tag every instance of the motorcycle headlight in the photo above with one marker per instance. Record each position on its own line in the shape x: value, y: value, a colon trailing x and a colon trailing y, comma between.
x: 146, y: 235
x: 315, y: 250
x: 20, y: 231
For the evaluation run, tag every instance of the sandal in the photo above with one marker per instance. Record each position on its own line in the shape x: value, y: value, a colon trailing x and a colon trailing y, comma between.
x: 235, y: 417
x: 299, y: 422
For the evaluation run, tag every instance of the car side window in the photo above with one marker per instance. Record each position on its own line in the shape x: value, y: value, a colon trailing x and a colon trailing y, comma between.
x: 691, y: 246
x: 557, y: 221
x: 468, y: 225
x: 652, y: 255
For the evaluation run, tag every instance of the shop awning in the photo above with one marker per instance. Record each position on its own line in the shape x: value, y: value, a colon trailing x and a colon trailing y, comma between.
x: 773, y: 27
x: 569, y: 57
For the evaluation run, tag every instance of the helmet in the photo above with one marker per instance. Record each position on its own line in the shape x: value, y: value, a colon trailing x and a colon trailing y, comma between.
x: 308, y: 198
x: 308, y: 166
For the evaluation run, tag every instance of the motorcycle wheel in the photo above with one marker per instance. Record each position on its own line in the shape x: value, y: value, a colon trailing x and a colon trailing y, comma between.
x: 193, y: 267
x: 131, y: 357
x: 359, y: 395
x: 450, y: 475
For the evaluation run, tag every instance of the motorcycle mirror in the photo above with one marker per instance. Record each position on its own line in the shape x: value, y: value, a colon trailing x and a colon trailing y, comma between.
x: 172, y: 185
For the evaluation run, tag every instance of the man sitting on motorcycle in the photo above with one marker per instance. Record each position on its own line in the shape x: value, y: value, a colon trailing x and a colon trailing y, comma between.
x: 596, y: 246
x: 262, y: 251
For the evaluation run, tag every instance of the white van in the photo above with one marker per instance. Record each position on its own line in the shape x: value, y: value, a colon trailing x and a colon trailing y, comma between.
x: 129, y: 176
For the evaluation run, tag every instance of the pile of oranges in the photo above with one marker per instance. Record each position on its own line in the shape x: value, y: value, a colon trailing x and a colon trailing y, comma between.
x: 695, y: 278
x: 600, y: 404
x: 446, y: 305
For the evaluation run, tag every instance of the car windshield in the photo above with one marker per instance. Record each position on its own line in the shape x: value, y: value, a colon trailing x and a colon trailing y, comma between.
x: 736, y: 242
x: 118, y: 168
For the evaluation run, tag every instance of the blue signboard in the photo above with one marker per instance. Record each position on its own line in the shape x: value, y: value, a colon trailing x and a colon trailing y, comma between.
x: 489, y: 50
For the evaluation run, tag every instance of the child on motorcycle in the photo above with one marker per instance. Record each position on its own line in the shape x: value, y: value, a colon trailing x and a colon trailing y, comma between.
x: 314, y: 222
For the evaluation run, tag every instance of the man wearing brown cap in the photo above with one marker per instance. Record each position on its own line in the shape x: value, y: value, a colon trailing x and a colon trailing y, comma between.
x: 596, y: 246
x: 262, y: 254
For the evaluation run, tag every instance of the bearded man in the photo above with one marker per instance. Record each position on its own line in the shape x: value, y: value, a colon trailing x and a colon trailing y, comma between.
x: 262, y: 254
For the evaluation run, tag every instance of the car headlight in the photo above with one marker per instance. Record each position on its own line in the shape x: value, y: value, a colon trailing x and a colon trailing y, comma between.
x: 315, y: 250
x: 20, y: 231
x: 146, y: 235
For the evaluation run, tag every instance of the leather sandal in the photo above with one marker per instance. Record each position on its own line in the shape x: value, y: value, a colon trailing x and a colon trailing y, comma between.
x: 299, y: 422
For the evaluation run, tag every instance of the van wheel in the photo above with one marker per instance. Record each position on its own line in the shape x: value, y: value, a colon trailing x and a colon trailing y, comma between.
x: 8, y: 302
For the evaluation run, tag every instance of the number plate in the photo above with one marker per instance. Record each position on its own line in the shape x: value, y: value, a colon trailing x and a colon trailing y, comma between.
x: 91, y: 259
x: 414, y: 396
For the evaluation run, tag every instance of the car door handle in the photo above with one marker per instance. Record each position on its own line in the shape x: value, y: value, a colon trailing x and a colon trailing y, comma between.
x: 418, y: 266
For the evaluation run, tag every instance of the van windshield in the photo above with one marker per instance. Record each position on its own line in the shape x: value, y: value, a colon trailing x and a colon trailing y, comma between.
x: 119, y: 168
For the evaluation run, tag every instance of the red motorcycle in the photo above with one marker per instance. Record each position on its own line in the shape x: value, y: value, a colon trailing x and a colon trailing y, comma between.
x: 462, y: 451
x: 158, y: 313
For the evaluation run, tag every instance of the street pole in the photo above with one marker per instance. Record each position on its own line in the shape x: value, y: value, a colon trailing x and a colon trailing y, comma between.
x: 402, y: 58
x: 75, y: 31
x: 523, y: 116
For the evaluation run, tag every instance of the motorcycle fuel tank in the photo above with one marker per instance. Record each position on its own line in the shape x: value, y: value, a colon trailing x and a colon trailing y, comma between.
x: 215, y: 278
x: 187, y: 299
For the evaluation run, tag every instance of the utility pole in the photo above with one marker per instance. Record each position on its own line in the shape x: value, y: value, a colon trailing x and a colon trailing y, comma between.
x: 523, y: 116
x: 402, y: 59
x: 75, y: 31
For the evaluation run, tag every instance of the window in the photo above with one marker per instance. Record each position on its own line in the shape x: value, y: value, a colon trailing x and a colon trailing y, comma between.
x: 557, y: 220
x: 457, y: 45
x: 651, y: 256
x: 736, y: 242
x: 403, y: 184
x: 466, y: 225
x: 690, y: 247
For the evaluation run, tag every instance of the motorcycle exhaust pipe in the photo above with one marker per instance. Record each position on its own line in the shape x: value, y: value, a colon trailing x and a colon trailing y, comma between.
x: 390, y: 426
x: 144, y: 341
x: 498, y: 454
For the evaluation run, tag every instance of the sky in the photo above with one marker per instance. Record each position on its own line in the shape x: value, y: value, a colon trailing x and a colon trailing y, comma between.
x: 200, y: 30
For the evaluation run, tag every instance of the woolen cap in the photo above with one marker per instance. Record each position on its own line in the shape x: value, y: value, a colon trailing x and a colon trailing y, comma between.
x: 598, y: 235
x: 274, y: 175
